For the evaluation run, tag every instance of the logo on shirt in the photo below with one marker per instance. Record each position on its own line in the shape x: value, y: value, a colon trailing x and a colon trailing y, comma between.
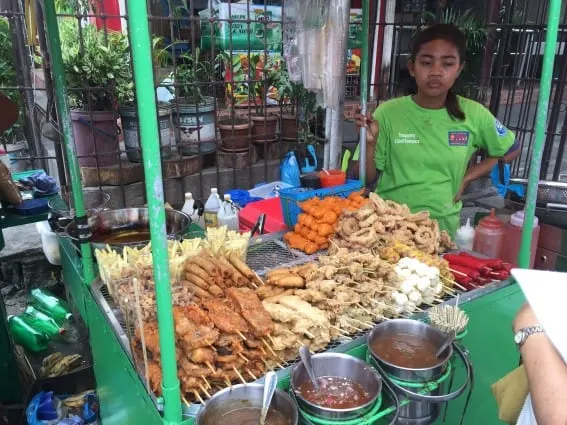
x: 407, y: 139
x: 459, y: 138
x: 500, y: 129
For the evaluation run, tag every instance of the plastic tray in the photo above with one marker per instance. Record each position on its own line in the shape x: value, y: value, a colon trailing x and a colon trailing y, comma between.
x: 268, y: 190
x: 291, y: 197
x: 248, y: 216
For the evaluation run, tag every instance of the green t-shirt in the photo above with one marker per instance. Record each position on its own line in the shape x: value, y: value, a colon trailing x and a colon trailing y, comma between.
x: 423, y: 154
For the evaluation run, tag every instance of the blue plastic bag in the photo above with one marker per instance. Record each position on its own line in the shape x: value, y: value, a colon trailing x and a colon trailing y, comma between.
x: 289, y: 170
x: 502, y: 181
x: 43, y: 409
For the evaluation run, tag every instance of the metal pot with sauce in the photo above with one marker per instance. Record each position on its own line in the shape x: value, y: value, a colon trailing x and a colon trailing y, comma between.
x: 404, y: 350
x: 241, y: 405
x: 348, y: 387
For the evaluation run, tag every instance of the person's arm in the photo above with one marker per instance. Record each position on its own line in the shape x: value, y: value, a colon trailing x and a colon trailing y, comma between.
x: 546, y: 370
x: 371, y: 171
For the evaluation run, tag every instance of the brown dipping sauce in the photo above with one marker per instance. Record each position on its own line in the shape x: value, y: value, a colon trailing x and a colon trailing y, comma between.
x: 251, y: 416
x: 122, y: 236
x: 335, y: 393
x: 406, y: 350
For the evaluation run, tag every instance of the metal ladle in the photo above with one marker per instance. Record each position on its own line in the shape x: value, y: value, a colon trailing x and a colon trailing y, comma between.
x: 450, y: 338
x: 270, y: 384
x: 305, y: 356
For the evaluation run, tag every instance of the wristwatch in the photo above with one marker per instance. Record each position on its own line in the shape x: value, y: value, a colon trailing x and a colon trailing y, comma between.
x: 523, y: 334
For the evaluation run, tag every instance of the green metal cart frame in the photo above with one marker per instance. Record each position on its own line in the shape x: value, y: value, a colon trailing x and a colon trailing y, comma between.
x: 124, y: 399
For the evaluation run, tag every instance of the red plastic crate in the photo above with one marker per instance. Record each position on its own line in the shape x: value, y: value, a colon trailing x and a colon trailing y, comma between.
x: 248, y: 216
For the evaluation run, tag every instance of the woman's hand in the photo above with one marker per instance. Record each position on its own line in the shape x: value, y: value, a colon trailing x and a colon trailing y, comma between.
x: 368, y: 122
x: 525, y: 318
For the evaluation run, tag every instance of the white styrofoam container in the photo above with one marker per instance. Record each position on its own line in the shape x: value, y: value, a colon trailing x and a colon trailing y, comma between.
x: 49, y: 243
x: 268, y: 190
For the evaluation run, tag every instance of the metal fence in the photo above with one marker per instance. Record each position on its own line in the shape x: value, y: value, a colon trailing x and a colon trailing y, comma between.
x: 227, y: 109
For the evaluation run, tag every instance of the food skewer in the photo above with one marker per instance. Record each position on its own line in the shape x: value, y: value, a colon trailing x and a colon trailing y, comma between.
x: 140, y: 320
x: 251, y: 374
x: 243, y: 357
x: 205, y: 391
x: 207, y: 383
x: 242, y: 335
x: 185, y: 401
x: 239, y: 375
x: 198, y: 396
x: 210, y: 366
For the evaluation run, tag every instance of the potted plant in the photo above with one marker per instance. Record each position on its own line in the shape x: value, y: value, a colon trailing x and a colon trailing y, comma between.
x: 265, y: 76
x: 129, y: 113
x: 298, y: 106
x: 193, y: 112
x: 93, y: 69
x: 234, y: 131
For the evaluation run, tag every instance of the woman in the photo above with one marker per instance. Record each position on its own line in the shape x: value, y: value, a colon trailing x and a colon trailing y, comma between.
x: 419, y: 146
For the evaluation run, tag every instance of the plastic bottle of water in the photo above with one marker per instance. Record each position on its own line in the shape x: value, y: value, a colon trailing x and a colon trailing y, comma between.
x: 228, y: 216
x: 212, y: 207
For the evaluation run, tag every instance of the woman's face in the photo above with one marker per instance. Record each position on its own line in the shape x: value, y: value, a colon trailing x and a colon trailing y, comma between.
x: 435, y: 68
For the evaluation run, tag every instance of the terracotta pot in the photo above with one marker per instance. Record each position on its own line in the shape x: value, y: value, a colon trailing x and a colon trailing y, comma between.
x: 289, y: 127
x: 234, y: 133
x: 265, y: 127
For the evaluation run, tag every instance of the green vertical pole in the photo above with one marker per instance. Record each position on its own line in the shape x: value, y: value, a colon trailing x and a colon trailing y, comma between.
x: 60, y: 88
x: 541, y: 125
x: 147, y: 114
x: 364, y: 85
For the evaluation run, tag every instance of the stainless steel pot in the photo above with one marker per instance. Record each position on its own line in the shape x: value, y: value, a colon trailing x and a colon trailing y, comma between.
x: 419, y: 330
x: 243, y: 396
x: 113, y: 221
x: 340, y: 365
x: 424, y: 406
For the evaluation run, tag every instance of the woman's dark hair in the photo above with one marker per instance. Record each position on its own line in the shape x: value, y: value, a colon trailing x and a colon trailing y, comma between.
x: 453, y: 35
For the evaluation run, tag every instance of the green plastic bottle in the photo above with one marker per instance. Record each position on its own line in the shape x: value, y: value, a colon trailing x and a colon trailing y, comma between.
x: 26, y: 336
x: 50, y: 305
x: 42, y: 322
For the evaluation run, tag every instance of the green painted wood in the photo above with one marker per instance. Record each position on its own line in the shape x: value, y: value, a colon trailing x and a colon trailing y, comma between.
x: 72, y: 270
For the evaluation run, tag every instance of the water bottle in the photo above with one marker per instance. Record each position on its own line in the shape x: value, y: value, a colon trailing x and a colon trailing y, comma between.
x: 26, y: 336
x: 42, y: 322
x: 190, y: 208
x: 50, y: 305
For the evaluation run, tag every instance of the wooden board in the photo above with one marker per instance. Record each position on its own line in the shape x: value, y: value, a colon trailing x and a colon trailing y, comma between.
x: 132, y: 172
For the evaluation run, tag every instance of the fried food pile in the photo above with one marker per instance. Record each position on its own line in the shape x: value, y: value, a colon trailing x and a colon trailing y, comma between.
x: 318, y: 221
x: 353, y: 289
x: 297, y: 323
x: 380, y: 222
x: 219, y: 341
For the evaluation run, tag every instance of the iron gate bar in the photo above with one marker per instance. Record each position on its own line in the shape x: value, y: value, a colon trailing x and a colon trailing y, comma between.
x: 147, y: 111
x: 543, y: 101
x: 68, y: 137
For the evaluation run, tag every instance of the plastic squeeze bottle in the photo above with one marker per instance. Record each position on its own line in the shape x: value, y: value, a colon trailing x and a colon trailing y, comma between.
x: 489, y: 236
x: 27, y: 336
x: 212, y: 207
x: 228, y: 215
x: 42, y: 322
x: 513, y: 239
x: 50, y: 305
x: 464, y: 238
x: 190, y: 208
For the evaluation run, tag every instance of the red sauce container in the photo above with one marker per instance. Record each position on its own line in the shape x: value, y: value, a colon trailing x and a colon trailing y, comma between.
x: 489, y: 236
x: 333, y: 178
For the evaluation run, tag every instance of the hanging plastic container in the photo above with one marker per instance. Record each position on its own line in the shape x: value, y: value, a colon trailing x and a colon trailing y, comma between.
x: 212, y: 207
x: 228, y: 216
x: 489, y: 236
x: 513, y: 239
x: 464, y: 237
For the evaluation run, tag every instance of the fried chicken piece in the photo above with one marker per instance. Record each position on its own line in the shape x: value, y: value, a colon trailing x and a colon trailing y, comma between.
x: 252, y: 343
x: 225, y: 318
x: 198, y: 316
x: 190, y: 383
x: 252, y: 310
x: 202, y: 355
x: 266, y: 291
x: 230, y: 358
x: 305, y: 310
x: 151, y: 338
x: 201, y: 336
x: 195, y: 370
x: 254, y: 354
x: 154, y: 375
